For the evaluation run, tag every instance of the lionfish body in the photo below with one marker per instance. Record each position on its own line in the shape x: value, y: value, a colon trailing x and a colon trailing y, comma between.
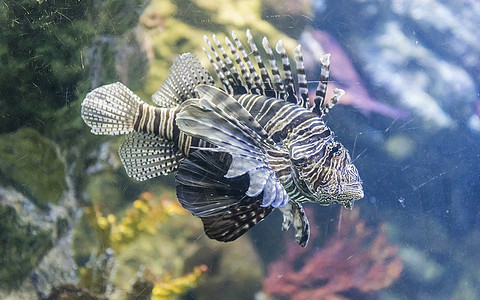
x: 239, y: 152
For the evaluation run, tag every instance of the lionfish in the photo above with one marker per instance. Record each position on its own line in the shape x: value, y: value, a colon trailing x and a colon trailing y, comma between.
x: 240, y: 151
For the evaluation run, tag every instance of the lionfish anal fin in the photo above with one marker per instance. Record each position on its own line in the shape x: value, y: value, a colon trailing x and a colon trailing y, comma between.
x: 146, y: 155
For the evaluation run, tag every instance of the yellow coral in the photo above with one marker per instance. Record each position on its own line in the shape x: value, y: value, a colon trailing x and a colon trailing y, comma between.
x: 180, y: 27
x: 144, y: 216
x: 165, y: 289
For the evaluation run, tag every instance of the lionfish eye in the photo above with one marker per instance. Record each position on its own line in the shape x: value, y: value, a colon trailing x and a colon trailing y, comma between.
x: 335, y: 149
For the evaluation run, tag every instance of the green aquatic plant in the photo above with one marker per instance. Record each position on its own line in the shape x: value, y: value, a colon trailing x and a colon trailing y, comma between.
x: 42, y: 58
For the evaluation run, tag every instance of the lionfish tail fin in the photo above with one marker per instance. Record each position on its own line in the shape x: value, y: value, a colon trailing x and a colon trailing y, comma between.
x: 185, y: 74
x: 110, y: 109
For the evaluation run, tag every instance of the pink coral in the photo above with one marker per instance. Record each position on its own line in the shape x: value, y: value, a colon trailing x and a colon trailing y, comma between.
x: 356, y: 259
x: 344, y: 75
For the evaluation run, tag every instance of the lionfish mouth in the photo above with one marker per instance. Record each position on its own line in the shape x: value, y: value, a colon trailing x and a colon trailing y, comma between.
x: 345, y: 193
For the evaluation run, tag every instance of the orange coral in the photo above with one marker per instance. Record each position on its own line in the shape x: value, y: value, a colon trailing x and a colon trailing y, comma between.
x: 354, y: 261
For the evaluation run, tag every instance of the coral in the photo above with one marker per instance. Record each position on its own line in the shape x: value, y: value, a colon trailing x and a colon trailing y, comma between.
x: 32, y: 163
x: 145, y: 215
x: 37, y: 211
x: 71, y: 292
x: 169, y: 28
x: 356, y: 260
x: 166, y: 288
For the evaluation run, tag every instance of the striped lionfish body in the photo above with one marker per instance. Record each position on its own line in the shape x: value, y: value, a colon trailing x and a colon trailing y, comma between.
x: 239, y: 151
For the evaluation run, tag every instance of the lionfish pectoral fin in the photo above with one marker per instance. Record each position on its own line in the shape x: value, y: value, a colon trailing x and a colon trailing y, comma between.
x: 220, y: 202
x: 220, y: 120
x: 234, y: 222
x: 110, y: 109
x: 146, y: 155
x: 230, y: 107
x: 185, y: 74
x: 293, y: 213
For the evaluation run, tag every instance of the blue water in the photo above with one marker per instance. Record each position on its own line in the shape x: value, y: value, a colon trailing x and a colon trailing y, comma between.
x: 410, y: 119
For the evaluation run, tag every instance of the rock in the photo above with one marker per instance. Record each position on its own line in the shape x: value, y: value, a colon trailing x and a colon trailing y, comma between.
x: 32, y: 164
x: 38, y: 208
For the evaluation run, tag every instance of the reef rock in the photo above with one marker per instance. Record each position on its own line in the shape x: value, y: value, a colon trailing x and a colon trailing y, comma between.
x: 417, y: 62
x: 37, y: 208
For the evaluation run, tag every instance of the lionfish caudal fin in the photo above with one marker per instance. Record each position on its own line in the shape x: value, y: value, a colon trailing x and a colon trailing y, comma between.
x: 111, y: 109
x: 239, y: 75
x: 114, y: 109
x: 221, y: 202
x: 220, y: 120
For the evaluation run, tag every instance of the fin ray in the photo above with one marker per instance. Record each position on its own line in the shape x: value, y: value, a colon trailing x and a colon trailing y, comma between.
x: 185, y: 74
x: 145, y: 156
x: 220, y: 202
x: 220, y: 120
x: 110, y: 109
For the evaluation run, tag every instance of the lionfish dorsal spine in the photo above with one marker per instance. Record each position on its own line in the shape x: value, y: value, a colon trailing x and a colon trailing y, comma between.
x: 303, y: 100
x: 319, y: 101
x: 218, y: 71
x: 233, y: 70
x: 337, y: 94
x: 287, y: 69
x: 247, y: 80
x: 228, y: 81
x: 255, y: 78
x: 266, y: 81
x: 277, y: 79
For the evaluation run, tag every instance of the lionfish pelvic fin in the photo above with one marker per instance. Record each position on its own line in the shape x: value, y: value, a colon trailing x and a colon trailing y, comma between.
x: 293, y: 213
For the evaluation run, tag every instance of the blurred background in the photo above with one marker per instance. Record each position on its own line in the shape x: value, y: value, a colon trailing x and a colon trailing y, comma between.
x: 74, y: 226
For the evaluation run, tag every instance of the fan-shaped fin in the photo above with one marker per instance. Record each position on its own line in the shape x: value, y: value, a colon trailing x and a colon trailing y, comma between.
x: 110, y: 109
x: 185, y: 74
x: 145, y: 155
x: 221, y: 203
x: 220, y: 120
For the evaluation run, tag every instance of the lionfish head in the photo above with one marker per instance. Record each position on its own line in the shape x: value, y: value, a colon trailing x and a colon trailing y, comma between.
x: 328, y: 176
